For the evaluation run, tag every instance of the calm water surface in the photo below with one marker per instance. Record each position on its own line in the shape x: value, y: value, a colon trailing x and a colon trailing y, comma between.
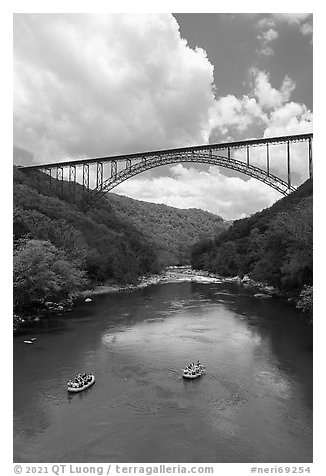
x: 253, y: 405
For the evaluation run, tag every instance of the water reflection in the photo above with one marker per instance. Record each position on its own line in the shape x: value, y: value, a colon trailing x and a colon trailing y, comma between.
x: 254, y: 404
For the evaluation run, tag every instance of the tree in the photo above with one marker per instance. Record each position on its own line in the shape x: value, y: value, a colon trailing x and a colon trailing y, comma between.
x: 306, y: 301
x: 42, y: 272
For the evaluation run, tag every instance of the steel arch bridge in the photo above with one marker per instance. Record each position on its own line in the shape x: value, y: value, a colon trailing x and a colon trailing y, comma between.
x: 123, y: 167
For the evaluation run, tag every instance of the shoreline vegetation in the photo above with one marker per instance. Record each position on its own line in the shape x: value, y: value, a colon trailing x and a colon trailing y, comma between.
x: 172, y: 274
x: 273, y: 246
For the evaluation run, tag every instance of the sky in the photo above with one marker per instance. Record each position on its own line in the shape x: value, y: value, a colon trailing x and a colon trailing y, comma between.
x: 92, y: 85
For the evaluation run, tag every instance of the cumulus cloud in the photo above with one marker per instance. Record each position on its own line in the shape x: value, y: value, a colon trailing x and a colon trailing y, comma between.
x: 268, y: 31
x: 271, y: 111
x: 267, y: 34
x: 292, y: 18
x: 265, y: 106
x: 94, y: 85
x: 307, y: 30
x: 291, y: 118
x: 240, y: 113
x: 303, y: 21
x: 269, y: 97
x: 265, y: 23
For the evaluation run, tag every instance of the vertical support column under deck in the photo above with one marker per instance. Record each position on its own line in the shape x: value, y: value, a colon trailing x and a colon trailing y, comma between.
x: 267, y: 158
x: 59, y: 177
x: 310, y: 157
x: 50, y: 178
x: 72, y: 180
x: 248, y: 156
x: 229, y: 153
x: 37, y: 175
x: 128, y: 164
x: 113, y: 168
x: 86, y: 178
x: 99, y: 175
x: 288, y: 161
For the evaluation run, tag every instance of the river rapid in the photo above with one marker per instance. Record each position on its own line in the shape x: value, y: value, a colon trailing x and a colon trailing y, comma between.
x: 253, y: 405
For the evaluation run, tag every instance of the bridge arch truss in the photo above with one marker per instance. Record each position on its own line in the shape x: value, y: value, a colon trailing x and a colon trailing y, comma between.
x: 194, y: 157
x: 213, y: 154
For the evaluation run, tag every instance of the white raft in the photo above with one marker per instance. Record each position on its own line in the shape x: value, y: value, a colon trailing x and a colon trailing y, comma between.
x: 30, y: 341
x: 83, y: 387
x: 193, y: 371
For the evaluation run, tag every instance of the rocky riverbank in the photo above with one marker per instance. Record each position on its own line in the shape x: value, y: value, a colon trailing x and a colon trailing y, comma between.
x: 42, y: 310
x: 302, y: 300
x: 66, y: 305
x: 172, y: 274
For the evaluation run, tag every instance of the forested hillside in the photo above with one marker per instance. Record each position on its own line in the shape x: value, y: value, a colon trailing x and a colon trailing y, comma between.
x: 272, y: 246
x: 172, y: 230
x: 59, y: 249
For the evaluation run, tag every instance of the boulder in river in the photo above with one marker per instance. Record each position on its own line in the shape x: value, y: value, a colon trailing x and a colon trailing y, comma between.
x: 262, y: 295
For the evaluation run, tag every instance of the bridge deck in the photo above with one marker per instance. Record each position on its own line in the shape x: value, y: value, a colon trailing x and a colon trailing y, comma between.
x: 140, y: 155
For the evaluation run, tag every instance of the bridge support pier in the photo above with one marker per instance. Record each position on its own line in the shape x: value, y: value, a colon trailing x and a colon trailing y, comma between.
x: 267, y: 158
x: 99, y: 175
x: 85, y: 178
x: 59, y: 177
x: 49, y: 172
x: 72, y: 180
x: 310, y: 157
x: 288, y: 160
x: 113, y: 168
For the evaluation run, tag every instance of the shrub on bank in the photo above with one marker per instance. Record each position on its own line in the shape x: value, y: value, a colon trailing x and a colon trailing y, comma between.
x: 43, y: 273
x: 305, y: 301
